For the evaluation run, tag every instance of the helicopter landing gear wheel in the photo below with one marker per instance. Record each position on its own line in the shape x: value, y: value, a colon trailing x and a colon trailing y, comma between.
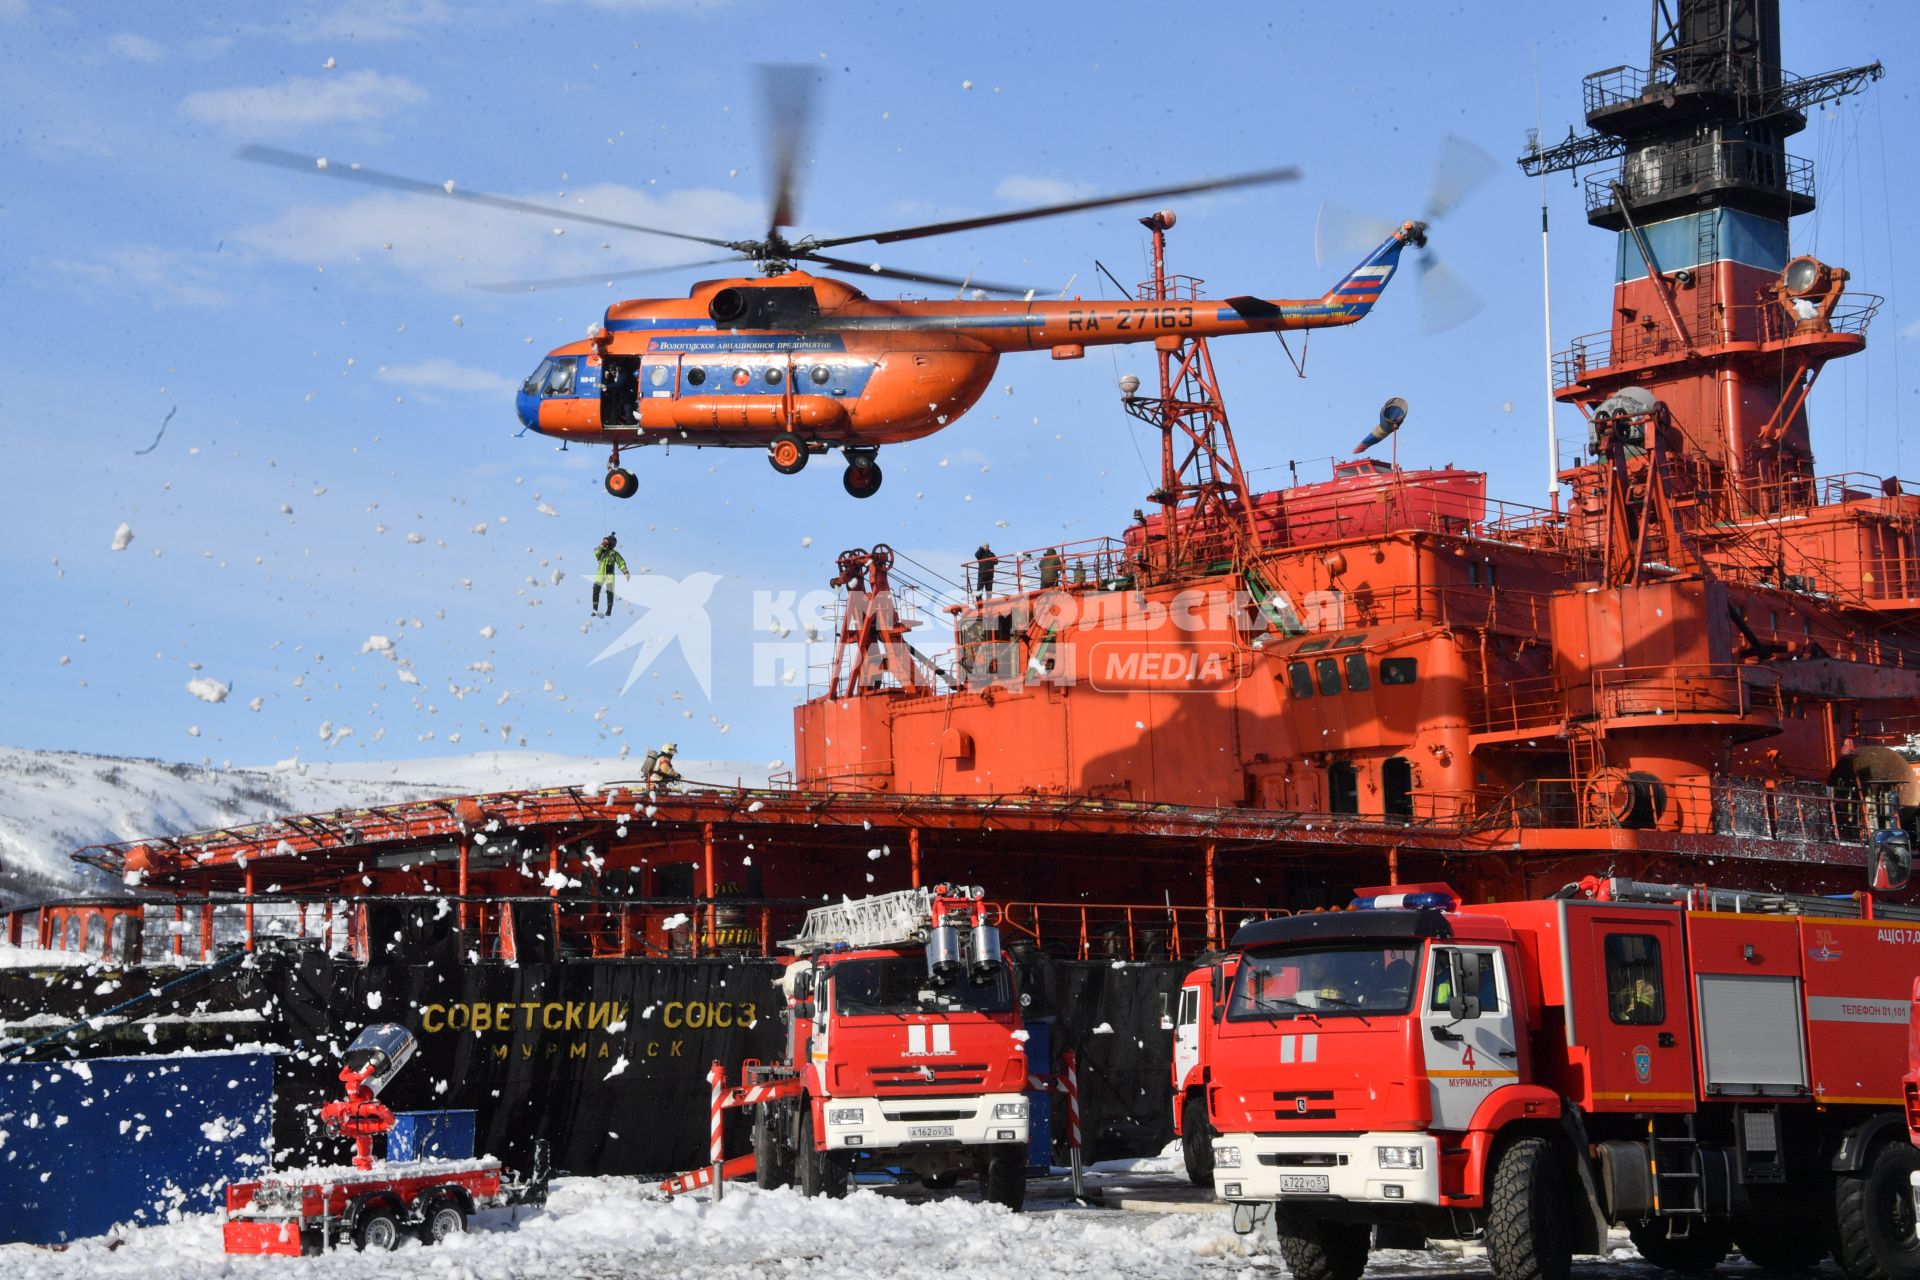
x: 788, y: 454
x: 621, y: 483
x: 863, y: 475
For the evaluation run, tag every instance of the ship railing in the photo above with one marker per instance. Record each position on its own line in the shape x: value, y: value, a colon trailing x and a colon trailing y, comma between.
x: 1496, y: 608
x: 1087, y: 562
x: 1179, y: 288
x: 1713, y: 162
x: 1514, y: 706
x: 1615, y: 86
x: 1721, y: 689
x: 1762, y: 322
x: 1614, y: 799
x: 194, y: 929
x: 1717, y: 689
x: 1123, y: 931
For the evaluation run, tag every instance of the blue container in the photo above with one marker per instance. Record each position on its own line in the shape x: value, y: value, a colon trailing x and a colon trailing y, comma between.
x: 1039, y: 1103
x: 107, y: 1140
x: 431, y: 1135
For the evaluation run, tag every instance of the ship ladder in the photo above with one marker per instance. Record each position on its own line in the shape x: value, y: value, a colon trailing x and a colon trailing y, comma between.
x: 1274, y: 606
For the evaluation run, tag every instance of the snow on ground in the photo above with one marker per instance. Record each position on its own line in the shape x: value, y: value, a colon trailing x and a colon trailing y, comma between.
x: 53, y: 802
x: 607, y: 1227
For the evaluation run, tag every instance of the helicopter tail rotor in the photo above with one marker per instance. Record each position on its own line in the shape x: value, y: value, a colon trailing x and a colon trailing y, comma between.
x: 1446, y: 299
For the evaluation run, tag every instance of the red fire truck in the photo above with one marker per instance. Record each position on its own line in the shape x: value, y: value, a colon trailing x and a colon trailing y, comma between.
x: 1712, y: 1069
x: 1202, y: 1000
x: 905, y: 1045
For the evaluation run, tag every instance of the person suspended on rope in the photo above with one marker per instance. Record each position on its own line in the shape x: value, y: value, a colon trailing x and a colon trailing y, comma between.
x: 606, y: 562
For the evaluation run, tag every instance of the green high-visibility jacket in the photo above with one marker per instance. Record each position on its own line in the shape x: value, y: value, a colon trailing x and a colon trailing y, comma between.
x: 610, y: 562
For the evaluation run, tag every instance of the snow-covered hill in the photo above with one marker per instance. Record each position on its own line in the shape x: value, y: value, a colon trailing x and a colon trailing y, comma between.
x: 53, y: 802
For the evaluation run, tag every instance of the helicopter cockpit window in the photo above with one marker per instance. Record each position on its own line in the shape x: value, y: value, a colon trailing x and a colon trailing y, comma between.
x: 559, y: 379
x: 538, y: 378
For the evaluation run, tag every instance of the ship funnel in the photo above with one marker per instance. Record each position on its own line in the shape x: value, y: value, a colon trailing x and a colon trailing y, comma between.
x: 985, y: 949
x: 944, y: 965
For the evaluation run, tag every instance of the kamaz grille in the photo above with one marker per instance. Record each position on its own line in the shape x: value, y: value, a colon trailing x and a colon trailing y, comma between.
x: 921, y: 1076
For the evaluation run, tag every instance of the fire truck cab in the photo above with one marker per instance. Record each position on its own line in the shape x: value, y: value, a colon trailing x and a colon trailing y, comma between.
x: 1201, y: 1001
x: 905, y: 1046
x: 1711, y: 1069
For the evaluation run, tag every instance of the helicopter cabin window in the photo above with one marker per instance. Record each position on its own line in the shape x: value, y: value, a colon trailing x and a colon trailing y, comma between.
x: 1357, y: 673
x: 1328, y: 672
x: 774, y: 377
x: 820, y: 375
x: 1399, y: 670
x: 1299, y: 680
x: 658, y: 375
x: 696, y: 376
x: 741, y: 377
x: 559, y: 378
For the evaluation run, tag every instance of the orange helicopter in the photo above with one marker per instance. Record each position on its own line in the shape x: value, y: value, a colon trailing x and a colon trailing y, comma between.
x: 799, y: 364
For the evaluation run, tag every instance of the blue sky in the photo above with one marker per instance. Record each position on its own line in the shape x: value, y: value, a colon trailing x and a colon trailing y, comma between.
x: 343, y: 419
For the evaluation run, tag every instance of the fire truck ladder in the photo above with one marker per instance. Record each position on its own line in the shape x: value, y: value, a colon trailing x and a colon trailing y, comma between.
x: 1756, y: 902
x: 1675, y: 1152
x: 886, y: 919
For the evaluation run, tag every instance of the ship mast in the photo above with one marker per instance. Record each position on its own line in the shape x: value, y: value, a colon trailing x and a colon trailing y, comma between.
x: 1202, y: 495
x: 1714, y: 323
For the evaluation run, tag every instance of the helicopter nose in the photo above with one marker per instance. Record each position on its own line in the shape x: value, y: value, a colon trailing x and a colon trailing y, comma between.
x: 528, y: 407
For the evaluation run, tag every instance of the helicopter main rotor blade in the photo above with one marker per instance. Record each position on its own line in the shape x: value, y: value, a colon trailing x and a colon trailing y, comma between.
x: 605, y: 277
x: 786, y: 97
x: 918, y: 277
x: 394, y: 182
x: 1288, y: 174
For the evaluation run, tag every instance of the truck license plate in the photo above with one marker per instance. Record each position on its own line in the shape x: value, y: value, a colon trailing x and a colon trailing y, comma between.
x: 1303, y: 1182
x: 941, y: 1131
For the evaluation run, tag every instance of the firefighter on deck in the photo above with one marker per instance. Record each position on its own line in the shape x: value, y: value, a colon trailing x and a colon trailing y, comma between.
x: 606, y: 561
x: 656, y: 767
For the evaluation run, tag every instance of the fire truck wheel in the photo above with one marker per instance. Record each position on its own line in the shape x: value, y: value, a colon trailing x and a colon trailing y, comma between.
x: 1874, y: 1214
x: 1785, y: 1245
x: 443, y: 1218
x: 772, y: 1168
x: 1529, y: 1235
x: 1006, y: 1180
x: 378, y: 1231
x: 1315, y: 1249
x: 1702, y: 1249
x: 822, y: 1173
x: 1196, y: 1141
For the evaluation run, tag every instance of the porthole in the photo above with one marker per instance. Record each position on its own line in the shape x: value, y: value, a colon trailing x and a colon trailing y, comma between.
x: 774, y: 376
x: 741, y: 377
x: 659, y: 375
x: 696, y: 376
x: 821, y: 374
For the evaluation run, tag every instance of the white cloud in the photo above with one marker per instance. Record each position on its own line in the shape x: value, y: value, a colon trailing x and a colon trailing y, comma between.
x: 452, y: 245
x: 135, y: 48
x: 1018, y: 188
x: 171, y: 276
x: 357, y: 98
x: 1911, y: 331
x: 448, y: 375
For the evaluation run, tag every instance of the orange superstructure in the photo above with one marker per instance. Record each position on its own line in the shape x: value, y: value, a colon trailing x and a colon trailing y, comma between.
x: 1708, y: 650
